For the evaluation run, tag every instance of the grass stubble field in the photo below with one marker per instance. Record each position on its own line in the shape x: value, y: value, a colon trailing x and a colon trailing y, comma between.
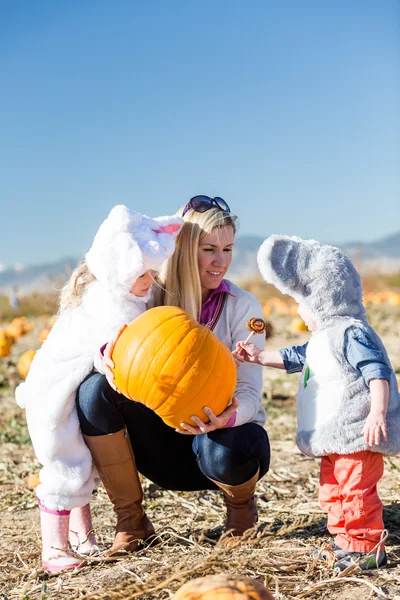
x: 291, y: 524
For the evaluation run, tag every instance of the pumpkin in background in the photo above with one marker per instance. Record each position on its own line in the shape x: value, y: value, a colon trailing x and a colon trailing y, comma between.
x: 18, y: 326
x: 223, y: 587
x: 26, y: 326
x: 44, y: 333
x: 166, y: 360
x: 297, y: 325
x: 24, y: 363
x: 5, y: 343
x: 394, y: 299
x: 15, y: 329
x: 267, y: 308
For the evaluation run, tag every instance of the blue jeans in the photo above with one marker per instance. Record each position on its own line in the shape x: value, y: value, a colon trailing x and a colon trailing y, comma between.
x: 169, y: 459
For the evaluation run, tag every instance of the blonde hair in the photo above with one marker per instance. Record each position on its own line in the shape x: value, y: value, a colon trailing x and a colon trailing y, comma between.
x: 72, y: 293
x: 179, y: 276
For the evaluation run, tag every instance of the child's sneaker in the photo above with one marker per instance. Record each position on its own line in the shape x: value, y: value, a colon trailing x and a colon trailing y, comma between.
x: 376, y: 560
x: 328, y: 552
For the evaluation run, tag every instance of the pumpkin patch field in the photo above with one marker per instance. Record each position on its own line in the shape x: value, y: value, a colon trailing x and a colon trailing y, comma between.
x: 278, y: 556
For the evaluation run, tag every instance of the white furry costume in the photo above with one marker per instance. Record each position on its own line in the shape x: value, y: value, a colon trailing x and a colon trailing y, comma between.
x: 125, y: 247
x: 333, y: 401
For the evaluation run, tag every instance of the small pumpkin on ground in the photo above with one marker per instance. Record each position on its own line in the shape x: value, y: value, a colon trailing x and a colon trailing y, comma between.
x: 44, y: 333
x: 223, y: 587
x: 15, y: 329
x: 26, y: 326
x: 5, y: 343
x: 297, y: 325
x: 166, y: 360
x: 24, y: 363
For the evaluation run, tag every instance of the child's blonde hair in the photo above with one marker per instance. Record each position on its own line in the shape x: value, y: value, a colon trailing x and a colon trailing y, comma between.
x: 179, y: 276
x: 72, y: 293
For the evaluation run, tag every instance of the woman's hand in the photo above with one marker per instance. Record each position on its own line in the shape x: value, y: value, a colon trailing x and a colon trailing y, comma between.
x: 107, y: 360
x: 214, y: 422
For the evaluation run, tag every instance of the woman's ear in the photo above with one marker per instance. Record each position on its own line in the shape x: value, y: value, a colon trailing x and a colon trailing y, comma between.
x: 170, y: 229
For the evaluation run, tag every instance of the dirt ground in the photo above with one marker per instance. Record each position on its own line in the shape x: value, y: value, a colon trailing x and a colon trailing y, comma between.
x: 291, y: 524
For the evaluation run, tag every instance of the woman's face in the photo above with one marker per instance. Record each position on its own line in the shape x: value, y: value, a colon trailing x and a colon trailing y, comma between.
x: 215, y: 256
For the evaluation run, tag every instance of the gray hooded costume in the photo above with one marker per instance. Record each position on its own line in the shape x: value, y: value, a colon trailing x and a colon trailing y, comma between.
x: 333, y: 400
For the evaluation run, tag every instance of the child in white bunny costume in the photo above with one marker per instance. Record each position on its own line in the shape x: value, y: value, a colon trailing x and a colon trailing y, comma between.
x: 348, y: 403
x: 108, y: 291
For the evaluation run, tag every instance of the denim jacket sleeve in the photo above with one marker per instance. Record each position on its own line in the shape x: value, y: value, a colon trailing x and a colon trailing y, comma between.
x: 294, y: 358
x: 364, y: 355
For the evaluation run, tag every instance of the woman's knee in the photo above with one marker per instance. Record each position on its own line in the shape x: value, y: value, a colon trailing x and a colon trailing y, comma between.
x: 223, y: 463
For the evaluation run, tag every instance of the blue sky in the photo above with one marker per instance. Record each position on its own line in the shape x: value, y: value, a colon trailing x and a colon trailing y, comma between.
x: 288, y: 110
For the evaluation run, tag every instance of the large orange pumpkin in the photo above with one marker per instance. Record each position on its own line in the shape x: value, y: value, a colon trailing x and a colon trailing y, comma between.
x: 223, y: 587
x: 24, y: 363
x: 167, y: 361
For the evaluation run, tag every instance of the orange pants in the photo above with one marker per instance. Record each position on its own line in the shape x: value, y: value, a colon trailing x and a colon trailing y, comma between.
x: 348, y: 493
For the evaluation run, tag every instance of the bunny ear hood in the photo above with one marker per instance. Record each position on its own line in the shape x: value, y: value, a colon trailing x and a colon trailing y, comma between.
x: 321, y: 276
x: 128, y: 244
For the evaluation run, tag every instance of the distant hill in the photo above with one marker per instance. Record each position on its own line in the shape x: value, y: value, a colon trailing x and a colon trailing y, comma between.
x: 382, y: 254
x: 388, y: 247
x: 37, y: 277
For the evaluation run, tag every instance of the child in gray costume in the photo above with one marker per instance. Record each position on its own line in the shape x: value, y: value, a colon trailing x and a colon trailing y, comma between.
x: 348, y: 403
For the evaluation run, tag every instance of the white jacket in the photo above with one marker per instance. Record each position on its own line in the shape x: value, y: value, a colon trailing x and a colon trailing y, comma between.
x: 48, y: 394
x: 126, y: 245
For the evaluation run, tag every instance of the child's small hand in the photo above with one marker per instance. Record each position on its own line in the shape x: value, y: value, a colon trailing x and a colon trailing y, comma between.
x: 374, y: 428
x: 247, y: 352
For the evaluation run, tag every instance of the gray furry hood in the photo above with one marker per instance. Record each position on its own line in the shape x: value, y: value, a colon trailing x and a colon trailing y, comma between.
x: 320, y: 276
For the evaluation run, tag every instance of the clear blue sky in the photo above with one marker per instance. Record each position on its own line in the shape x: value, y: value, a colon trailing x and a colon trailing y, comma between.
x: 288, y: 110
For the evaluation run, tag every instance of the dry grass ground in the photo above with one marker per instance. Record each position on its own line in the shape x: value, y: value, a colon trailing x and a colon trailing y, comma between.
x: 291, y: 523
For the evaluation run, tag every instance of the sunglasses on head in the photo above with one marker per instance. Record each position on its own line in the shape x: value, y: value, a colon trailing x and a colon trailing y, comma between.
x: 201, y: 204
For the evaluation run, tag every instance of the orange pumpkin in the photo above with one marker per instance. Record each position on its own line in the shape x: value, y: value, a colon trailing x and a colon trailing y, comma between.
x: 15, y: 329
x: 166, y: 360
x: 394, y: 299
x: 298, y: 325
x: 223, y: 587
x: 5, y: 343
x: 24, y: 363
x: 44, y: 333
x: 26, y: 326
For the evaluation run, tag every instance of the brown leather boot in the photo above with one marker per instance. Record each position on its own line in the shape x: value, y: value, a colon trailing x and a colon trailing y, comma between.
x: 115, y: 462
x: 241, y: 509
